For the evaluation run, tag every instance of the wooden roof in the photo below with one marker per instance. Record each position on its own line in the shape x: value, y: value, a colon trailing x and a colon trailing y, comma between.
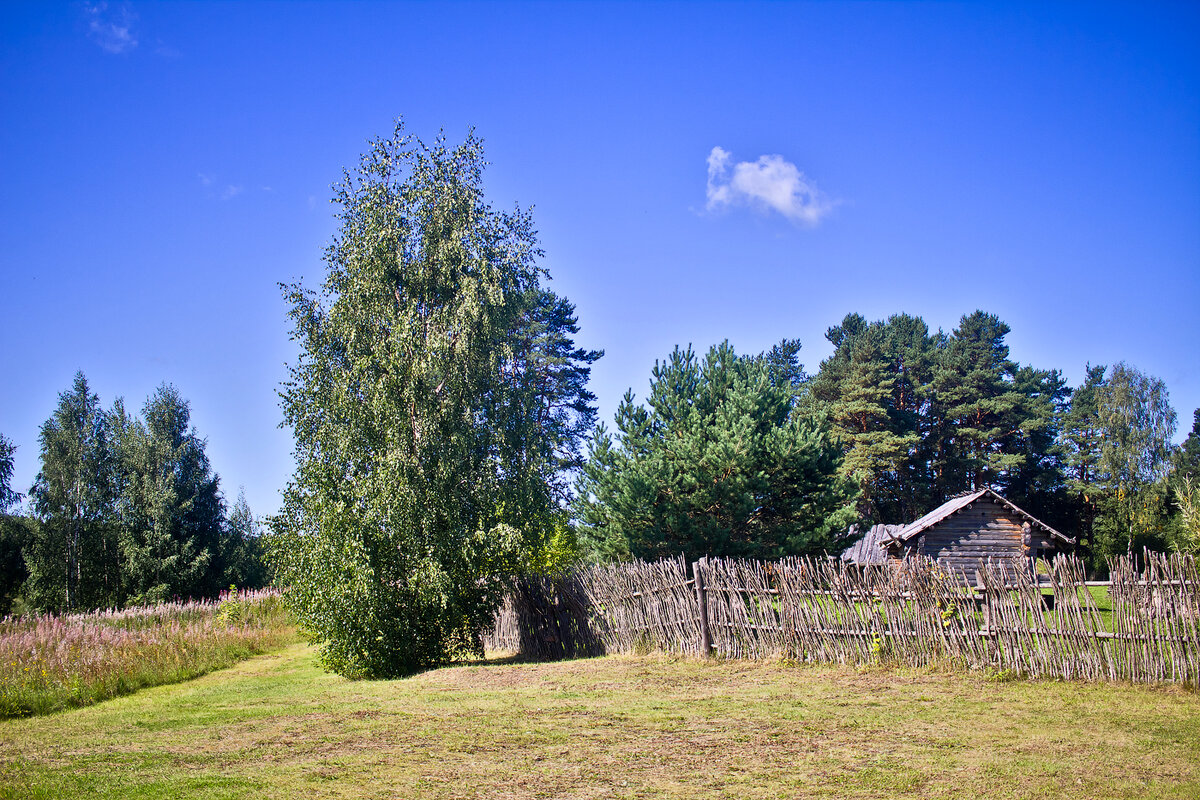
x: 869, y: 549
x: 960, y: 503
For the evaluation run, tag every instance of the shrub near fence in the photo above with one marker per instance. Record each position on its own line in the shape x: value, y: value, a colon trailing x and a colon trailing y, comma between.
x: 916, y: 612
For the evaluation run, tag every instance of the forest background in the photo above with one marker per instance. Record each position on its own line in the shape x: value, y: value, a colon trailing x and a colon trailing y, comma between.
x: 935, y: 161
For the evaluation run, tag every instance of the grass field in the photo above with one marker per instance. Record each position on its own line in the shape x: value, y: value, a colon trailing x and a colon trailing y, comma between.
x: 278, y: 726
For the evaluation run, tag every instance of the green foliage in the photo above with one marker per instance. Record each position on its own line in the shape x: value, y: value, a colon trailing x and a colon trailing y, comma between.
x: 923, y: 417
x: 436, y: 395
x: 1116, y: 440
x: 1079, y: 441
x: 171, y: 505
x: 243, y: 549
x: 127, y: 509
x: 721, y: 462
x: 1137, y: 424
x: 8, y: 497
x: 859, y: 388
x: 71, y: 561
x: 1187, y: 491
x: 977, y: 405
x: 1187, y: 458
x: 16, y: 533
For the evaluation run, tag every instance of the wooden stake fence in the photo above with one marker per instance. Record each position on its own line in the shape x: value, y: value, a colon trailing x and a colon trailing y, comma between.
x: 917, y: 612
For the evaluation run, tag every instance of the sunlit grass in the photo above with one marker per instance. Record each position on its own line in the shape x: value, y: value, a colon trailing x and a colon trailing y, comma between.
x: 278, y: 726
x: 50, y: 662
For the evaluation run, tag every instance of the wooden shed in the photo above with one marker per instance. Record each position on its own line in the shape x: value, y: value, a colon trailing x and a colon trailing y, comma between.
x: 974, y: 526
x: 867, y: 550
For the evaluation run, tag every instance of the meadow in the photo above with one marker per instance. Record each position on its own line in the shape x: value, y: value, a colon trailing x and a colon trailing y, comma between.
x: 51, y: 662
x: 278, y: 726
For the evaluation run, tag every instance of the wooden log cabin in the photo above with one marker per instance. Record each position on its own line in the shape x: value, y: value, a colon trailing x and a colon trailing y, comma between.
x: 970, y: 527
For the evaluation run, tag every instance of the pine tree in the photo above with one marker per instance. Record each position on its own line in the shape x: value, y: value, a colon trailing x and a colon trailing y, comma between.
x: 908, y: 493
x: 1038, y: 481
x: 856, y: 387
x: 977, y: 406
x: 1079, y: 440
x: 718, y: 462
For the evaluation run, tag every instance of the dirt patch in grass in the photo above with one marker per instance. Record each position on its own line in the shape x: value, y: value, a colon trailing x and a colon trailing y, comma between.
x: 277, y: 726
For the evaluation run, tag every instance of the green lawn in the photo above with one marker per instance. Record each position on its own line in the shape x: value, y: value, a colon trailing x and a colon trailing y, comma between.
x: 277, y: 726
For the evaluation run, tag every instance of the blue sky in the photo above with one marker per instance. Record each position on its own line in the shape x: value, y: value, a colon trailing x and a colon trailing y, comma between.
x: 164, y: 166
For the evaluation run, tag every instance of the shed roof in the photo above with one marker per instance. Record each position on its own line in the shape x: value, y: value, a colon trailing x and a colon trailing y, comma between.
x: 869, y: 549
x: 961, y: 503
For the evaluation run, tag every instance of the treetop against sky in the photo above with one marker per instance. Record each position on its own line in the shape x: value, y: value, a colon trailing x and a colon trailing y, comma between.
x: 697, y: 172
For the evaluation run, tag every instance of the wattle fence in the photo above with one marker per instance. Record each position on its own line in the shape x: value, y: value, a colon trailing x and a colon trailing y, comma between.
x: 1038, y: 620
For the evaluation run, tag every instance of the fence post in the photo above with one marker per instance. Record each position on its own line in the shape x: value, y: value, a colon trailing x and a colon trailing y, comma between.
x: 702, y: 598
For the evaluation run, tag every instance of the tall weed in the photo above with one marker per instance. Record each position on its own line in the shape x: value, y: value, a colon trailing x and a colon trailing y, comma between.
x: 49, y: 662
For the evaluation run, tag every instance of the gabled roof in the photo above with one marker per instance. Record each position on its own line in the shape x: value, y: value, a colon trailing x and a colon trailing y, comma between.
x: 869, y: 549
x: 961, y: 503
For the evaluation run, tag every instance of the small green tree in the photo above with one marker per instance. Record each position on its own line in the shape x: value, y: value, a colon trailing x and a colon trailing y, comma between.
x: 1136, y: 422
x: 72, y: 556
x: 719, y: 462
x: 14, y: 532
x: 172, y: 510
x: 242, y: 554
x: 420, y: 413
x: 8, y: 497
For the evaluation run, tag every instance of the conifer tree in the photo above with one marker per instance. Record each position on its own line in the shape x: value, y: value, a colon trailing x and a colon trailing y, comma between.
x: 856, y: 387
x: 908, y: 493
x: 976, y: 406
x: 242, y: 554
x: 718, y: 462
x: 173, y: 510
x: 1038, y: 480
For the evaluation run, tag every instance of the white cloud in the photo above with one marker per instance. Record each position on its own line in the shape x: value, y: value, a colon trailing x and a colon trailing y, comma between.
x: 214, y: 188
x: 768, y: 184
x: 112, y: 29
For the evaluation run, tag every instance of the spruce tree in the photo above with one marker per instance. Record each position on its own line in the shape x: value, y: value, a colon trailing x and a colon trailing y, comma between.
x: 173, y: 509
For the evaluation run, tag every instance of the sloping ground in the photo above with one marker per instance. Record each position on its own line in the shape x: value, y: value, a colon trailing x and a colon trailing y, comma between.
x: 277, y: 726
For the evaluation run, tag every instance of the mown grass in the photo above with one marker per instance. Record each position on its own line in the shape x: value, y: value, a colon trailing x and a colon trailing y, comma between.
x: 277, y: 726
x: 49, y: 662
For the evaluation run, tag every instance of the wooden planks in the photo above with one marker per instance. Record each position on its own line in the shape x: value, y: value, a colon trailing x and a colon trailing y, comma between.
x: 987, y: 614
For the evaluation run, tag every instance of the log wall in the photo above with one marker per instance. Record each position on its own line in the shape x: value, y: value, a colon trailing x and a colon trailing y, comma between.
x: 984, y: 530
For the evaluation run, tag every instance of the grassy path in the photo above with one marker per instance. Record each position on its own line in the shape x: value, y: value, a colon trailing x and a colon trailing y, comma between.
x: 277, y: 726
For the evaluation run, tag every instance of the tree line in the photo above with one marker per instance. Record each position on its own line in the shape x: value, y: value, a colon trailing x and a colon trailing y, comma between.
x: 125, y: 510
x: 446, y: 441
x: 749, y: 456
x: 444, y: 434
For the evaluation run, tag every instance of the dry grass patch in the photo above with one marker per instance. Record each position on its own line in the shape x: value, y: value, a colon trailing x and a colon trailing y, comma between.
x: 277, y: 726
